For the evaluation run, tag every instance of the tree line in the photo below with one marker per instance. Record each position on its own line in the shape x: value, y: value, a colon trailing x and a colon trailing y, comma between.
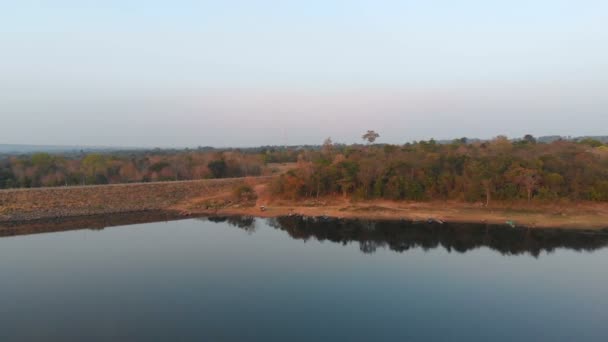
x: 44, y: 169
x: 500, y: 169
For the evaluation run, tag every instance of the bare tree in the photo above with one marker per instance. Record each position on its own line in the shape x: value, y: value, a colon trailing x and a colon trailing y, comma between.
x: 327, y: 146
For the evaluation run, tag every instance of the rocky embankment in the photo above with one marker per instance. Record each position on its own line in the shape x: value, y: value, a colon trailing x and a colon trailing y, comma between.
x: 41, y: 203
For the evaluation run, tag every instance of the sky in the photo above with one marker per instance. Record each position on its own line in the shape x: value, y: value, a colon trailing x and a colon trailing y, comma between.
x: 248, y: 73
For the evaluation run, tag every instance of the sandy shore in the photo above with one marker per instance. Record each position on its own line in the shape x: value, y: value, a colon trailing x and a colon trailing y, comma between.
x: 444, y: 214
x: 581, y: 215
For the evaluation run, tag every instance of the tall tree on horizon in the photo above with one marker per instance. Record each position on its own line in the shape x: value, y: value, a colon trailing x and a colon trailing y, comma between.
x: 370, y: 136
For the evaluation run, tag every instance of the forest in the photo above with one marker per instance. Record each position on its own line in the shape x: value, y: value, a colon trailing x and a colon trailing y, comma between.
x: 473, y: 171
x: 499, y: 169
x: 44, y: 169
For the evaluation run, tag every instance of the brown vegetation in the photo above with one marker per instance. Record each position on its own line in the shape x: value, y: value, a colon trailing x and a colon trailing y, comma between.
x: 498, y: 170
x: 559, y: 184
x: 42, y: 169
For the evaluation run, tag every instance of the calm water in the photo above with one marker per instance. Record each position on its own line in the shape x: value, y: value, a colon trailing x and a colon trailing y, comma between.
x: 301, y: 280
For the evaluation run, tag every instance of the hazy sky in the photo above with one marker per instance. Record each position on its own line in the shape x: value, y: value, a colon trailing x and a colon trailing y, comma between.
x: 243, y: 73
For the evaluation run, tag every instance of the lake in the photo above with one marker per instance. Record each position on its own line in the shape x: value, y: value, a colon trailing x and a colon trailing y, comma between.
x: 299, y: 279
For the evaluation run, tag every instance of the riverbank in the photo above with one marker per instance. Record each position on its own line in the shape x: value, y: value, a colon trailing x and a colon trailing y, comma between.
x: 436, y: 211
x: 583, y: 215
x: 216, y: 197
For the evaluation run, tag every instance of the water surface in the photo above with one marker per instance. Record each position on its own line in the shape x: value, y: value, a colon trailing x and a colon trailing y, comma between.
x: 295, y: 279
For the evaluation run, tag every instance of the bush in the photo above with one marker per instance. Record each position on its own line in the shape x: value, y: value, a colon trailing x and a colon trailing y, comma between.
x: 245, y: 193
x: 545, y: 193
x: 599, y: 192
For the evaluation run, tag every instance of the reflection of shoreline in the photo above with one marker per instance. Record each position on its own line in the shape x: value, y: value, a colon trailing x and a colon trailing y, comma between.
x: 400, y: 236
x: 93, y: 222
x: 405, y: 235
x: 583, y: 215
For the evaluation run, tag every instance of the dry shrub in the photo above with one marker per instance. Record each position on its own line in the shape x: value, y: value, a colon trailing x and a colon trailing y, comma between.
x: 244, y: 193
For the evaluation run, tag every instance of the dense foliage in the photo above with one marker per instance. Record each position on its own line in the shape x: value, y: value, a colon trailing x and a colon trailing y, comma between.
x: 499, y: 169
x: 43, y: 169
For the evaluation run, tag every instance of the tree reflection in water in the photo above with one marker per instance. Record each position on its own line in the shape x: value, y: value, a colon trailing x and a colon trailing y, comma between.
x: 400, y: 236
x: 246, y: 223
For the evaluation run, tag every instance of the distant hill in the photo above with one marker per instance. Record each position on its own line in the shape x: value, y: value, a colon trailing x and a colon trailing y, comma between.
x: 541, y: 139
x: 17, y: 149
x: 21, y: 149
x: 552, y: 138
x: 602, y: 138
x: 28, y: 149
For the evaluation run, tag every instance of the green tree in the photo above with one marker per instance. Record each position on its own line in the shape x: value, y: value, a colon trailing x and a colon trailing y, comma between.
x: 218, y: 168
x: 370, y: 136
x: 94, y: 166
